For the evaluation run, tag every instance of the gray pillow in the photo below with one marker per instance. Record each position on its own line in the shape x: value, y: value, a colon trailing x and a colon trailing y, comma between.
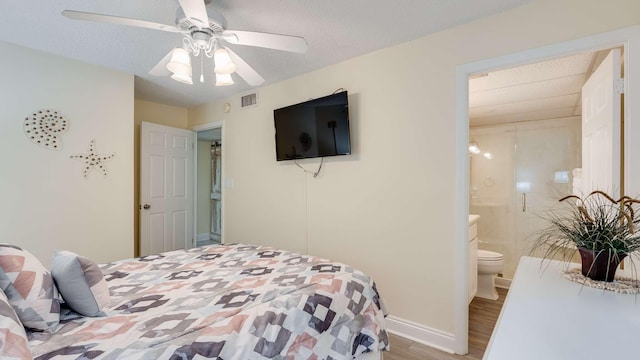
x: 80, y: 282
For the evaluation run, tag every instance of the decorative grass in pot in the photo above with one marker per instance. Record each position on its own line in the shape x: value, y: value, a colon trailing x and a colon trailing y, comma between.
x: 603, y: 230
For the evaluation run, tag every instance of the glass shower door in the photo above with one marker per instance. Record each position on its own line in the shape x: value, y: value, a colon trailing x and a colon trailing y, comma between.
x: 546, y: 154
x: 492, y: 190
x: 521, y: 172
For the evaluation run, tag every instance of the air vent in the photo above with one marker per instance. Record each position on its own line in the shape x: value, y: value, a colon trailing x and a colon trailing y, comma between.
x: 249, y: 100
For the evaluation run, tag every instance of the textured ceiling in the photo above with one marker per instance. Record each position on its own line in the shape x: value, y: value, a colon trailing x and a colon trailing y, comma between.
x: 544, y: 90
x: 335, y: 30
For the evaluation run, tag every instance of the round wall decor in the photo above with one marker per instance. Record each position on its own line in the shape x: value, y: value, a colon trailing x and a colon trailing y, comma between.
x: 43, y: 127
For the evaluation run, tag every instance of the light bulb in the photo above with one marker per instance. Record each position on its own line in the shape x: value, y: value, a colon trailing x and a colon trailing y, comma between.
x: 223, y: 62
x: 474, y: 149
x: 180, y: 61
x: 183, y: 75
x: 223, y: 79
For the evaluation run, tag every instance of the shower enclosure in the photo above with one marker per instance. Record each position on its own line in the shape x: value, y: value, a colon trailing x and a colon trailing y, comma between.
x: 520, y: 171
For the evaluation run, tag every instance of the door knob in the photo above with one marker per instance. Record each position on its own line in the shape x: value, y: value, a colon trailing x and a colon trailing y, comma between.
x: 146, y: 206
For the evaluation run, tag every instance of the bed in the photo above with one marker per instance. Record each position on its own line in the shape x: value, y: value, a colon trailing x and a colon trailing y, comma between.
x: 231, y: 302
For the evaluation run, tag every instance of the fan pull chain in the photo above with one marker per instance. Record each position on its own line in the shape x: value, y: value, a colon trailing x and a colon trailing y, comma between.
x: 201, y: 69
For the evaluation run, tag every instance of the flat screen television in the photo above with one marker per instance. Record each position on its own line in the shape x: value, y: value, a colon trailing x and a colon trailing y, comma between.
x: 314, y: 128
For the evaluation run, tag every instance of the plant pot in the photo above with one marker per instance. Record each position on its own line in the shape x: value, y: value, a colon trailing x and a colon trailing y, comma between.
x: 600, y: 266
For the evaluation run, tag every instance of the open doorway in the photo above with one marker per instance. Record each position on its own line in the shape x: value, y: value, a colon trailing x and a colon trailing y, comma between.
x: 526, y: 146
x: 528, y: 130
x: 208, y: 200
x: 628, y: 38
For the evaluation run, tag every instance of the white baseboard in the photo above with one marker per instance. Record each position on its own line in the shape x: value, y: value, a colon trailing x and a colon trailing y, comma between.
x: 503, y: 283
x: 203, y: 237
x: 419, y: 333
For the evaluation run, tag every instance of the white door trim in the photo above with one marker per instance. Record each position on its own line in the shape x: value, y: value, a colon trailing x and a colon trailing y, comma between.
x: 629, y: 38
x: 196, y: 129
x: 208, y: 126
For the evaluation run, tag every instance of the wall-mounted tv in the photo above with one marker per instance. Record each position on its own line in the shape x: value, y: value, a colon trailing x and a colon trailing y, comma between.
x: 314, y: 128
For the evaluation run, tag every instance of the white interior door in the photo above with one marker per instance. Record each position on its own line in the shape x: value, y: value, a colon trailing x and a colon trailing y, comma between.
x: 166, y: 194
x: 601, y: 128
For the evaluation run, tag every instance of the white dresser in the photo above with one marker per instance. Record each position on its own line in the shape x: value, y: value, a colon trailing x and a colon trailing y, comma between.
x: 546, y: 316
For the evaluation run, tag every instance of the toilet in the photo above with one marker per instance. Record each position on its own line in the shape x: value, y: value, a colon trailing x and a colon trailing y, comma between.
x: 489, y: 265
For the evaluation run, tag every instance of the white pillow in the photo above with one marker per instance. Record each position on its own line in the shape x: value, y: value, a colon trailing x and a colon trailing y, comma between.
x: 80, y: 282
x: 13, y: 339
x: 29, y: 287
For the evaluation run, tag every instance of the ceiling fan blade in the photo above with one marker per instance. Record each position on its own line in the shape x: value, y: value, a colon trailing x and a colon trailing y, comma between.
x: 196, y: 12
x: 271, y: 41
x: 161, y: 67
x: 79, y: 15
x: 244, y: 70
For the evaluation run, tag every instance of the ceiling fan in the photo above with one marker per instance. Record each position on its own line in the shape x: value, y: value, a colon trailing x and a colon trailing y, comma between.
x: 205, y: 33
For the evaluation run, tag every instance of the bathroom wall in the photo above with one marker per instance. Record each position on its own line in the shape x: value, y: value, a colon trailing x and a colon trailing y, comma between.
x: 533, y: 158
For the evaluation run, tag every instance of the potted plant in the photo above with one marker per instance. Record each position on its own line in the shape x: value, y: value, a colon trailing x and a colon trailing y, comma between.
x: 603, y: 230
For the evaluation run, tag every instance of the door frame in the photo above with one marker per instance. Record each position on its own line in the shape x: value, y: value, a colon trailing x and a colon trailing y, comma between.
x: 629, y: 38
x: 196, y: 129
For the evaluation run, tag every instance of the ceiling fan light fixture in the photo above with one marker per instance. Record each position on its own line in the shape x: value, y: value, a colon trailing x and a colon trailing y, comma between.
x: 186, y: 79
x: 180, y: 61
x: 204, y: 31
x: 223, y: 79
x: 183, y: 76
x: 223, y: 62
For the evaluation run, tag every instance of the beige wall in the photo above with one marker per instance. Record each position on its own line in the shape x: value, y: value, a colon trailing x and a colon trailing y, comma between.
x: 148, y: 111
x: 388, y: 208
x: 203, y: 202
x: 46, y: 202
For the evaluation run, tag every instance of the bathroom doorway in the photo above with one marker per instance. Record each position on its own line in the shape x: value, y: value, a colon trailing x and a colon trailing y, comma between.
x: 208, y: 187
x: 525, y: 136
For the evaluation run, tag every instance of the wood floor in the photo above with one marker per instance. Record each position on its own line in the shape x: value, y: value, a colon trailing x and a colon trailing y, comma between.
x: 483, y: 315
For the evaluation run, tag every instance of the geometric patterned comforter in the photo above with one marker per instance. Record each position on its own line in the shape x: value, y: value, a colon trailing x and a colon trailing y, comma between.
x: 231, y: 302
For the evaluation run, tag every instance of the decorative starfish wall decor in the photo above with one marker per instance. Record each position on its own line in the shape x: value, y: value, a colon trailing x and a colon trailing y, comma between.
x: 93, y: 160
